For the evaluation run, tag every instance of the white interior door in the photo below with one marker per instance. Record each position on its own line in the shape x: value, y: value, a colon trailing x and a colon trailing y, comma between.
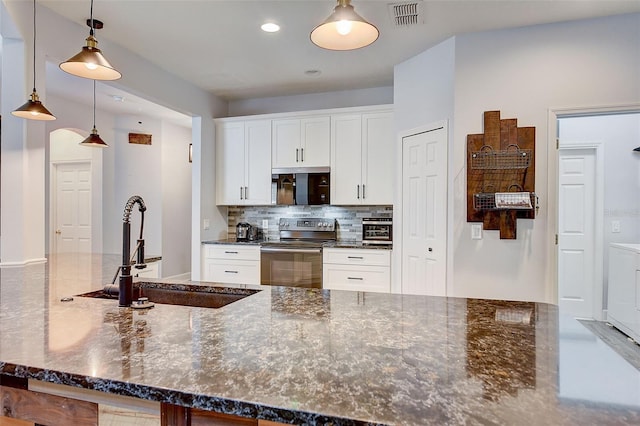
x: 72, y: 233
x: 576, y: 231
x: 424, y: 208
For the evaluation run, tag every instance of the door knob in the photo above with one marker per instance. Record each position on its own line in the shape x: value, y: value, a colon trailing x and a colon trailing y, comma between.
x: 58, y: 232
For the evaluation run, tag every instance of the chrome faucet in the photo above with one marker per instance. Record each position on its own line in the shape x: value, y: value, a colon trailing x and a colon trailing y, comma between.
x: 125, y: 285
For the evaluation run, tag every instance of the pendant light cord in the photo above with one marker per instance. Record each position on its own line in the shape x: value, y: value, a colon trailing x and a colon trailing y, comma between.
x: 34, y: 46
x: 91, y: 18
x: 94, y: 104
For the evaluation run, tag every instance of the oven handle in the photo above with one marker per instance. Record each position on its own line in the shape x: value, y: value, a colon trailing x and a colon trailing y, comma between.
x: 290, y: 250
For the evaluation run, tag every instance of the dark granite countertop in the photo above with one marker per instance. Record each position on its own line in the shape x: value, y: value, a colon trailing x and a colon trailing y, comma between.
x: 306, y: 356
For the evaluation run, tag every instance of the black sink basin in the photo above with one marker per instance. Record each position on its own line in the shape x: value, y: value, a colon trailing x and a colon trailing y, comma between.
x: 181, y: 294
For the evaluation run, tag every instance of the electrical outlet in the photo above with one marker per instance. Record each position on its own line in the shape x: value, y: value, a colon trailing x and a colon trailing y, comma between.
x: 476, y: 231
x: 615, y: 226
x: 206, y: 224
x: 265, y: 224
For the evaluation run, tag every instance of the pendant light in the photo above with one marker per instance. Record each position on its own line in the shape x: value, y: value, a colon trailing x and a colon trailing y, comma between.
x: 33, y: 108
x: 90, y: 63
x: 94, y: 138
x: 344, y: 29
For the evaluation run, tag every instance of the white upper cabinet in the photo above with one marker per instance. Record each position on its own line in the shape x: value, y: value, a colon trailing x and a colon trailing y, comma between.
x: 362, y: 158
x: 243, y: 162
x: 301, y: 142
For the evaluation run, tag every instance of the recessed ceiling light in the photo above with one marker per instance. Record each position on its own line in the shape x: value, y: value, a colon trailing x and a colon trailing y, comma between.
x: 270, y: 27
x: 313, y: 73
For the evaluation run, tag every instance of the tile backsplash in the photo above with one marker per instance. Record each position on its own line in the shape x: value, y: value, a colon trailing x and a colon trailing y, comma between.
x: 349, y: 218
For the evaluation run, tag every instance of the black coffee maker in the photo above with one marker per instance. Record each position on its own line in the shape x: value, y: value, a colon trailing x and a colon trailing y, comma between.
x: 245, y: 232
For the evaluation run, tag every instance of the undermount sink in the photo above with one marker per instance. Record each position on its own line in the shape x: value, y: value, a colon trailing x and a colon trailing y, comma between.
x: 181, y: 294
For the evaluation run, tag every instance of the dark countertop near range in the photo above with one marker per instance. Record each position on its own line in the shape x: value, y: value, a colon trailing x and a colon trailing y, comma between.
x: 333, y: 244
x: 304, y: 356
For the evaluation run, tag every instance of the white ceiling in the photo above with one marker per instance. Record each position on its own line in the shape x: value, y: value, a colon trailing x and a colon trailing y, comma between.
x: 219, y: 46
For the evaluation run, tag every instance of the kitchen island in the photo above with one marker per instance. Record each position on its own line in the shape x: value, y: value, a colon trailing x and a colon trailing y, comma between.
x: 306, y: 356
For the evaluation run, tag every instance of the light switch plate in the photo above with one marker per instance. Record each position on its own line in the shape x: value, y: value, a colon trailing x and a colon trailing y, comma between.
x: 476, y: 231
x: 206, y: 224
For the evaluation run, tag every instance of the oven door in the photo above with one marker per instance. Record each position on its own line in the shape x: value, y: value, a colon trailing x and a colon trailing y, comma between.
x: 293, y: 267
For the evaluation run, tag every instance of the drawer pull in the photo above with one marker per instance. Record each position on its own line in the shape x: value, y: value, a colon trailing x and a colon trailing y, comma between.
x: 354, y: 278
x: 355, y: 257
x: 230, y: 252
x: 231, y: 272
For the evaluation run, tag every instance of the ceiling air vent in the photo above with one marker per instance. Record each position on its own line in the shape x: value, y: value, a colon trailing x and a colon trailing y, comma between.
x: 406, y: 14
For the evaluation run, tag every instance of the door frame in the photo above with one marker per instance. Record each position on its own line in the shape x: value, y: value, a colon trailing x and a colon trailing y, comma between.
x: 553, y: 114
x: 53, y: 199
x: 598, y: 228
x: 396, y: 255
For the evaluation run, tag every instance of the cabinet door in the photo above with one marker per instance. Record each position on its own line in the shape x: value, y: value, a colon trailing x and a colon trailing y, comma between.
x: 229, y: 163
x: 346, y: 157
x: 378, y: 163
x: 285, y: 143
x: 315, y: 141
x: 258, y: 162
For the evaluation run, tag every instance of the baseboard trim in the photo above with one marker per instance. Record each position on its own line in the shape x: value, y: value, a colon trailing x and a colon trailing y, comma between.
x: 24, y: 263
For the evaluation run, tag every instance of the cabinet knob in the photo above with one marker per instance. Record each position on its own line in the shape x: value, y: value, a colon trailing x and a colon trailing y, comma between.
x: 58, y: 232
x: 430, y: 249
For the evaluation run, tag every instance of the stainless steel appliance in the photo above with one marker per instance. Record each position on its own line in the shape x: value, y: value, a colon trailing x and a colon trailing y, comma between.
x: 309, y: 186
x: 296, y: 260
x: 377, y: 230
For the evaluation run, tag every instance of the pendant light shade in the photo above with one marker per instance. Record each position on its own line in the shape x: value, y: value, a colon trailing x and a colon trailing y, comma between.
x: 344, y: 29
x: 33, y: 108
x: 94, y: 138
x: 90, y: 62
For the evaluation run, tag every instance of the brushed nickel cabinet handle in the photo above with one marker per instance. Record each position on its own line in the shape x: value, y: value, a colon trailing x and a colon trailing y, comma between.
x: 297, y: 154
x: 355, y: 278
x: 358, y: 192
x: 302, y: 155
x: 363, y: 193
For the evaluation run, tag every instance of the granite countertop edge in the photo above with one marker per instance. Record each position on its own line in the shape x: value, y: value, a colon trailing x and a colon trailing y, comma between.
x: 177, y: 397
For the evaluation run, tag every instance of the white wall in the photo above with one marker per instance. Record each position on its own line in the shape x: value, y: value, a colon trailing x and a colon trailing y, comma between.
x: 176, y: 200
x: 423, y: 95
x: 620, y: 134
x: 524, y: 72
x: 312, y: 101
x: 138, y: 171
x: 58, y: 39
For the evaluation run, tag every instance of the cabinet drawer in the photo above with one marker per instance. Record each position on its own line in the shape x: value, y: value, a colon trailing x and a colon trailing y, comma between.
x: 231, y: 251
x: 369, y: 257
x: 235, y: 272
x: 357, y: 278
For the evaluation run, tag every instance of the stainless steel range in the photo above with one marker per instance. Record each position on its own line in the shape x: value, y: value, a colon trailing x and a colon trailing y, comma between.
x: 296, y: 260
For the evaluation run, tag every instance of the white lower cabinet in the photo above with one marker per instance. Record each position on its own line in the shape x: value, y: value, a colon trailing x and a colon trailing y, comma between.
x: 153, y: 270
x: 357, y: 269
x: 623, y: 309
x: 229, y: 263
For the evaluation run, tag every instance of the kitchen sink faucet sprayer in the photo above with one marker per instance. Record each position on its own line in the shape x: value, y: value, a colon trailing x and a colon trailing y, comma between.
x: 125, y: 293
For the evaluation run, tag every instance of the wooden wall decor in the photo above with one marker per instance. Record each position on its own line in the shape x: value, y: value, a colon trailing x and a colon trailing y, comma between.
x: 140, y: 138
x: 498, y: 161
